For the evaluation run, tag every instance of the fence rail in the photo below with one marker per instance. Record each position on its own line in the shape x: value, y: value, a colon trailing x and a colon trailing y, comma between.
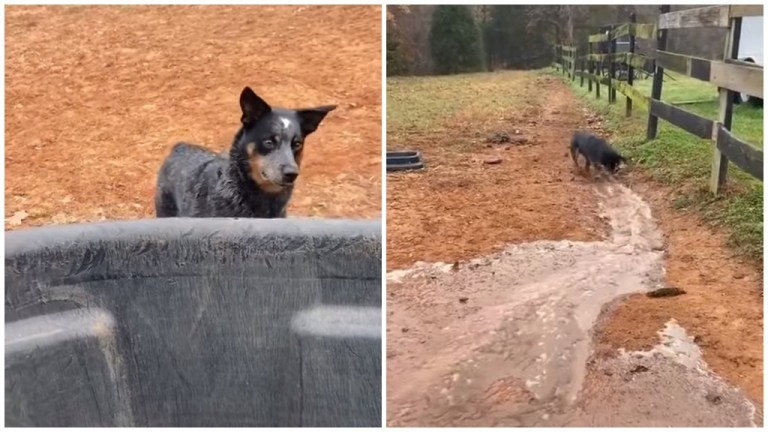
x: 729, y: 75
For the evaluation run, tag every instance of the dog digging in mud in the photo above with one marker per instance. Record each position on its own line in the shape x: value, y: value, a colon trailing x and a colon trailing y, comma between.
x: 596, y: 151
x: 256, y: 178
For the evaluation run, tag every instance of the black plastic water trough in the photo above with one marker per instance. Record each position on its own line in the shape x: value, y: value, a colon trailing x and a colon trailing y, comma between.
x: 404, y: 160
x: 194, y: 322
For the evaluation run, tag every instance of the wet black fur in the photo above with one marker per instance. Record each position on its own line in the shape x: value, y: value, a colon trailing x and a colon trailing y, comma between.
x: 596, y: 151
x: 196, y: 182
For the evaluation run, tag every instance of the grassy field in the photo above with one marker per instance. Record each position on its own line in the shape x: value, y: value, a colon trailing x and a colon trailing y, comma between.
x: 449, y: 99
x: 683, y: 161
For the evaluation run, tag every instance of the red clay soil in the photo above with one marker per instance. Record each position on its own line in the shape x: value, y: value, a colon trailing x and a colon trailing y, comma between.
x: 462, y: 207
x: 97, y: 95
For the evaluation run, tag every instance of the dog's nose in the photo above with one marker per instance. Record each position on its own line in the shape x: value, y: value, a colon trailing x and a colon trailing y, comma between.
x: 290, y: 177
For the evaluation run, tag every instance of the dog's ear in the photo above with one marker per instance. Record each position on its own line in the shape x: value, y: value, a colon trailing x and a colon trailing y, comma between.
x: 253, y: 107
x: 310, y: 118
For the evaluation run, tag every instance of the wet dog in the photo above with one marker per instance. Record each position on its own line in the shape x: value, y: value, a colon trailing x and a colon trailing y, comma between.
x: 596, y: 151
x: 256, y: 178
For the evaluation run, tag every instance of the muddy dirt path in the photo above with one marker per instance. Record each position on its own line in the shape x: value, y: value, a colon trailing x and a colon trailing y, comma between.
x: 474, y: 207
x: 506, y: 338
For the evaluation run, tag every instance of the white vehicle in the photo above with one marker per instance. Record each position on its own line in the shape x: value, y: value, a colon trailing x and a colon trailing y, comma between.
x: 751, y: 50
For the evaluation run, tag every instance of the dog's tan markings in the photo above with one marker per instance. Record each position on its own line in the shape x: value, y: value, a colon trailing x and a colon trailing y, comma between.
x: 254, y: 162
x: 250, y: 149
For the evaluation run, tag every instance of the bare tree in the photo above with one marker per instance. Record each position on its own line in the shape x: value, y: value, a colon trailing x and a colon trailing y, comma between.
x: 556, y: 20
x: 411, y: 24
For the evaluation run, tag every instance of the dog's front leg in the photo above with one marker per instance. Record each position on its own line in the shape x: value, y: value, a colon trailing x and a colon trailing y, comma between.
x: 575, y: 157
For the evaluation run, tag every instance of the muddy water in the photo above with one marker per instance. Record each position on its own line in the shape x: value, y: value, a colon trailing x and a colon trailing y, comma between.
x: 504, y: 340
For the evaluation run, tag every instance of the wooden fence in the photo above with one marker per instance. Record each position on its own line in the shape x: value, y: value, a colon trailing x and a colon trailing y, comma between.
x: 729, y: 75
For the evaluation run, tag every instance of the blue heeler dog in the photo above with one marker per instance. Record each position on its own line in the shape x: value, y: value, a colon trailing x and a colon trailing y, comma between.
x: 255, y: 180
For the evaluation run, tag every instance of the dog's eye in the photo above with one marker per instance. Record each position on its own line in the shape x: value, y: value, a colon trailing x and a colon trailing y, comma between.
x: 297, y: 145
x: 269, y: 144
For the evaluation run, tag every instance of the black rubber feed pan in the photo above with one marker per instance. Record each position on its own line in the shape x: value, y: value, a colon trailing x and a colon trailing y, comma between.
x: 397, y: 154
x: 194, y: 322
x: 404, y: 160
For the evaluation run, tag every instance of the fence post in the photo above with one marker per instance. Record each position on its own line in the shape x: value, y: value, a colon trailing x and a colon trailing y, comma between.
x: 612, y: 66
x: 563, y: 59
x: 589, y: 66
x: 556, y: 58
x: 658, y: 76
x: 725, y: 114
x: 630, y: 69
x: 573, y: 63
x: 563, y: 56
x: 598, y: 68
x: 581, y: 74
x: 603, y: 49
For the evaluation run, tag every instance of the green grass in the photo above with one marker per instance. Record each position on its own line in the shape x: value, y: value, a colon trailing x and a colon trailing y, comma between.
x: 432, y: 105
x: 683, y: 162
x: 747, y: 120
x: 408, y: 109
